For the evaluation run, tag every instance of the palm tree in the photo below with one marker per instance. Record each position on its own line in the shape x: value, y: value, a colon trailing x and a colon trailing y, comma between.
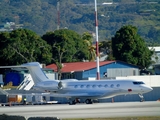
x: 87, y: 37
x: 106, y: 48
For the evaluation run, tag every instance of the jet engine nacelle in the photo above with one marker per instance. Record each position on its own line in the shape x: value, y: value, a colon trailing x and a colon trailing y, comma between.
x: 48, y: 86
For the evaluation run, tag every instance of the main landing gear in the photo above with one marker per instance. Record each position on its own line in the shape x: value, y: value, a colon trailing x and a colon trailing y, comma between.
x: 73, y: 102
x: 88, y: 101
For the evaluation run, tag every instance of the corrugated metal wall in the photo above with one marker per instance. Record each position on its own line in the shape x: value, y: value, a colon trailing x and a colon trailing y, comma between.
x: 114, y: 65
x: 122, y: 72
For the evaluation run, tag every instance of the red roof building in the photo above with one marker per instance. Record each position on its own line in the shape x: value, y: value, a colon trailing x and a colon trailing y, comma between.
x: 77, y: 66
x: 85, y: 70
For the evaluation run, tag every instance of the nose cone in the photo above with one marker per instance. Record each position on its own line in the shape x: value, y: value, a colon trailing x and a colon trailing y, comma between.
x: 147, y: 89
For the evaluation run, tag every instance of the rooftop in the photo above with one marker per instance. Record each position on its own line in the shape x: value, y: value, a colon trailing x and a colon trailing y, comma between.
x: 78, y: 66
x: 156, y: 49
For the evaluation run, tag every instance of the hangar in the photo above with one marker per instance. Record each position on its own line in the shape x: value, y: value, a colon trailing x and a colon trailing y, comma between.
x: 87, y: 70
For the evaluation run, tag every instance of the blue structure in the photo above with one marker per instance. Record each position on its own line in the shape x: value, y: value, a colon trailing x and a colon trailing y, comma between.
x: 87, y: 70
x: 14, y: 77
x: 104, y: 68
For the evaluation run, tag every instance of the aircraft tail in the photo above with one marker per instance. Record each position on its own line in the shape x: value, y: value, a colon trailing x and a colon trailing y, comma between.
x: 36, y: 72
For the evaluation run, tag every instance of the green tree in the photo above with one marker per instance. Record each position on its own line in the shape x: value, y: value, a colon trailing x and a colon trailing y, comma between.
x: 4, y: 36
x: 106, y: 48
x: 23, y: 45
x: 128, y: 46
x: 88, y: 39
x: 67, y: 46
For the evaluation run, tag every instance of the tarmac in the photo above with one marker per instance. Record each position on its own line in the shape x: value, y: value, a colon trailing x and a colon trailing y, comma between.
x: 96, y: 110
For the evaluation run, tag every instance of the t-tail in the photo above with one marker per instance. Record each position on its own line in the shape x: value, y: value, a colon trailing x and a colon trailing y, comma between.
x: 36, y: 72
x: 41, y: 81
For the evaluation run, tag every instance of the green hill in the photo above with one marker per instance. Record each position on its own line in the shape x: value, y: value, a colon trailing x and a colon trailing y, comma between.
x: 41, y: 16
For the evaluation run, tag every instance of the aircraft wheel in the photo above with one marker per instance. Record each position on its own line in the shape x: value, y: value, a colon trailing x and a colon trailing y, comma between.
x: 72, y: 102
x: 88, y: 101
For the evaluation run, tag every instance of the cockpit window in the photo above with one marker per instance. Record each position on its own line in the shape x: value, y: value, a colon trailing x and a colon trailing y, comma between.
x: 138, y: 83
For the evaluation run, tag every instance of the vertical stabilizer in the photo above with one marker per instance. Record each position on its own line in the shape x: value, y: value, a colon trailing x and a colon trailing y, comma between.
x: 35, y: 71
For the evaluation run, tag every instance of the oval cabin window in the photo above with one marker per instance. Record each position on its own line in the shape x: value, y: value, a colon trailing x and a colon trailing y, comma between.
x: 118, y: 85
x: 82, y: 86
x: 112, y: 86
x: 99, y: 86
x: 94, y: 86
x: 88, y: 86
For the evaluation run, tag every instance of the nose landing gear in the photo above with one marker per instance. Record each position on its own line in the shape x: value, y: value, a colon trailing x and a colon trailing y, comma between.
x: 142, y: 97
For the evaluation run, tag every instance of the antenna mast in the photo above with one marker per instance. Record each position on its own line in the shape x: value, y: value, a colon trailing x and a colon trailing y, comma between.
x: 58, y: 15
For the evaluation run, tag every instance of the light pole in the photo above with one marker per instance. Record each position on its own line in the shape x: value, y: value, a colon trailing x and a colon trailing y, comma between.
x: 97, y: 47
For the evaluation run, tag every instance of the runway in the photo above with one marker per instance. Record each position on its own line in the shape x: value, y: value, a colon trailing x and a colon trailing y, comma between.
x: 96, y: 110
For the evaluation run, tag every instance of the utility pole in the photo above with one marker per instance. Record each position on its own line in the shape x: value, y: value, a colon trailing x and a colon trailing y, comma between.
x: 58, y: 14
x: 97, y: 46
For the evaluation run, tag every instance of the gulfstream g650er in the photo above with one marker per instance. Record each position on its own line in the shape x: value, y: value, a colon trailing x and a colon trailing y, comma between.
x: 83, y: 89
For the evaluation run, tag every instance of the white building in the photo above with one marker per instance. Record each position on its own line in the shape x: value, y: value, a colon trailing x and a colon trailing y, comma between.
x: 156, y: 59
x: 156, y: 55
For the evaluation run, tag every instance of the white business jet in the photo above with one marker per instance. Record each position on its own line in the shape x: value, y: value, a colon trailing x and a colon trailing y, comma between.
x: 83, y: 90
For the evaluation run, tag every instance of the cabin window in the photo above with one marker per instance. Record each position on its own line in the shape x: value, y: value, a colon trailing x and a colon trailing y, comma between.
x: 82, y: 86
x: 88, y: 86
x: 94, y: 86
x: 99, y: 86
x: 76, y: 86
x: 106, y: 85
x: 112, y: 85
x: 118, y: 85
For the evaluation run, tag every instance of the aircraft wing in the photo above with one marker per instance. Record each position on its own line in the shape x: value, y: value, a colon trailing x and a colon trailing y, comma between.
x: 80, y: 95
x: 18, y: 67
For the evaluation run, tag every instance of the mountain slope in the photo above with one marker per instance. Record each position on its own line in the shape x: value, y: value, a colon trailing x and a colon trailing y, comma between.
x: 41, y: 16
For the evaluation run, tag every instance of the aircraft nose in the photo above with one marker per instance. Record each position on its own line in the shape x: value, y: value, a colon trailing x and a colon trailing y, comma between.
x: 148, y: 88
